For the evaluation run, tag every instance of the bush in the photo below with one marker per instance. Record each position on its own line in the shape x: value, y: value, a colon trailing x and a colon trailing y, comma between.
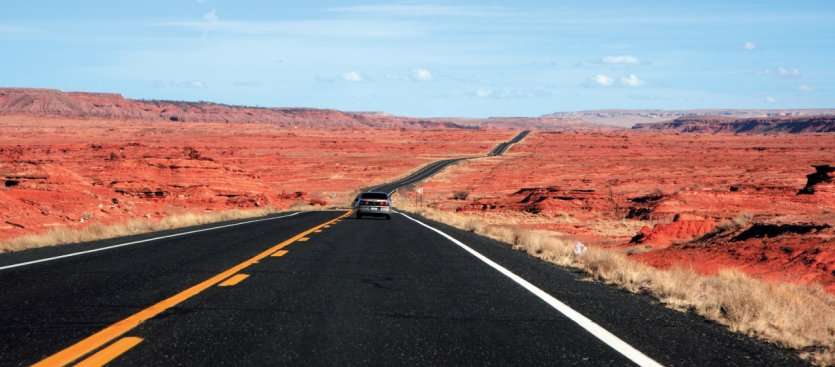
x: 460, y: 195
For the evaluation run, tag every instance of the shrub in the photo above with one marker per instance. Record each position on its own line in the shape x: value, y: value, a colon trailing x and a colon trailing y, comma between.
x: 460, y: 195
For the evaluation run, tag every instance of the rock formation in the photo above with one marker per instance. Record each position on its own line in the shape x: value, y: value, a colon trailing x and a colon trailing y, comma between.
x: 55, y: 103
x: 821, y: 181
x: 727, y: 125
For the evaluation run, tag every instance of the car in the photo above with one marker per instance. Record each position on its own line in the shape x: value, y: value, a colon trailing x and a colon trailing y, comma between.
x: 373, y: 204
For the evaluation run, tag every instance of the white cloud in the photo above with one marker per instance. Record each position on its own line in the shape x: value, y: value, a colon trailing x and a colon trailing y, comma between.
x: 326, y: 29
x: 421, y: 74
x: 247, y: 83
x: 510, y: 93
x: 483, y: 93
x: 353, y: 77
x: 211, y: 16
x: 771, y: 99
x: 421, y: 10
x: 749, y: 45
x: 632, y: 81
x: 603, y: 80
x: 805, y: 88
x: 789, y: 72
x: 415, y: 75
x: 184, y: 84
x: 211, y: 20
x: 621, y: 59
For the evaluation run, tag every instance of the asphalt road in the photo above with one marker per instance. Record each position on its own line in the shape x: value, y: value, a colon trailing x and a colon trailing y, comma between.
x: 324, y: 288
x: 435, y: 167
x: 502, y: 147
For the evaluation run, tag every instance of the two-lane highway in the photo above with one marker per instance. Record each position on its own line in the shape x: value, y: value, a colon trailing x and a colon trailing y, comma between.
x: 354, y: 292
x: 435, y: 167
x: 503, y: 147
x: 323, y: 288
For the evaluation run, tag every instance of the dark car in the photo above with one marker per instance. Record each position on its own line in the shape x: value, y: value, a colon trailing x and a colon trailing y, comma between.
x: 373, y: 204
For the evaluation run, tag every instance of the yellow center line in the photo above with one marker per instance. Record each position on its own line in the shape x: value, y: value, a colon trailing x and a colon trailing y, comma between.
x: 235, y: 279
x: 280, y: 253
x: 110, y: 353
x: 97, y: 340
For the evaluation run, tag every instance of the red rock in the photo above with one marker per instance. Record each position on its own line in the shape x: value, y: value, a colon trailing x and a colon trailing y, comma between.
x: 605, y: 188
x: 728, y: 125
x: 665, y: 234
x: 787, y: 257
x: 108, y: 106
x: 56, y: 172
x: 820, y: 182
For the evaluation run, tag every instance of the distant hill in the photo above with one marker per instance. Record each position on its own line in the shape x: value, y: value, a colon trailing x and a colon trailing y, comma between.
x: 763, y: 125
x: 628, y: 118
x: 55, y: 103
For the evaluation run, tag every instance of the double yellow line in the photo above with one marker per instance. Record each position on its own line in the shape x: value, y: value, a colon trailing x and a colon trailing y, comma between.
x: 118, y: 329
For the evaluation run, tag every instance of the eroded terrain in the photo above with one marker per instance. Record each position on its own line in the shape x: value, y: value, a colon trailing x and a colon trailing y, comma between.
x: 694, y: 200
x: 68, y: 173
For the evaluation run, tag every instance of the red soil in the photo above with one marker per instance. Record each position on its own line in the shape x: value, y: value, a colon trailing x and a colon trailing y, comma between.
x: 664, y: 234
x: 696, y: 194
x: 60, y: 173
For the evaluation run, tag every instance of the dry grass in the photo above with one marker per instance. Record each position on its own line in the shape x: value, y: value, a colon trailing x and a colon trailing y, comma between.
x: 617, y: 228
x: 733, y: 224
x: 801, y: 318
x: 98, y: 231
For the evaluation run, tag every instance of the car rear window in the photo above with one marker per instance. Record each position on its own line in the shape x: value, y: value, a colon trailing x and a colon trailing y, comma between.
x: 375, y: 195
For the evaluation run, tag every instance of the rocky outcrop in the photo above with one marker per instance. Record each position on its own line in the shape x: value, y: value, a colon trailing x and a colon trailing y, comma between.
x: 665, y: 234
x: 820, y: 181
x: 55, y: 103
x: 66, y: 174
x: 628, y: 118
x: 545, y: 123
x: 727, y: 125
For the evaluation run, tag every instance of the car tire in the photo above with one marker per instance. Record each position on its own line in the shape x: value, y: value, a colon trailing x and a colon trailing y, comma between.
x: 388, y: 217
x: 359, y: 216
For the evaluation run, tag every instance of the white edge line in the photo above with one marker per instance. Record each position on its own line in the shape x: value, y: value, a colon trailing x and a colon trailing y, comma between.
x: 140, y: 241
x: 599, y: 332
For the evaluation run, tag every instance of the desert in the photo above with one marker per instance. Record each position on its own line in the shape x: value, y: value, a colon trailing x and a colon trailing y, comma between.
x: 744, y: 207
x: 760, y: 202
x: 63, y: 174
x: 706, y: 201
x: 694, y: 195
x: 417, y: 183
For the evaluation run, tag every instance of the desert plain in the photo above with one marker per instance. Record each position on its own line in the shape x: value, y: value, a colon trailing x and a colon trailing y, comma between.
x: 702, y: 201
x: 728, y: 217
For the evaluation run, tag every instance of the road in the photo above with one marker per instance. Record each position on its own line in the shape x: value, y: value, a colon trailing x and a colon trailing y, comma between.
x: 502, y: 147
x: 438, y: 166
x: 324, y: 288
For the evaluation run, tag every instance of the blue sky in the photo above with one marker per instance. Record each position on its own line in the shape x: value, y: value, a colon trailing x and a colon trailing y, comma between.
x: 461, y: 58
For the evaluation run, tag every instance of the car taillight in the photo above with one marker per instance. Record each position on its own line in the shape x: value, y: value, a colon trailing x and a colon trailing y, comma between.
x: 383, y: 203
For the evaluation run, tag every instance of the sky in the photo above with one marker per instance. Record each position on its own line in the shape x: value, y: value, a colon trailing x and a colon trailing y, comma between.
x: 430, y: 59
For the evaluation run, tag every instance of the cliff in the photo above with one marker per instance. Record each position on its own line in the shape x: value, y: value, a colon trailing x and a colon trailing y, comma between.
x: 107, y: 106
x: 727, y: 125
